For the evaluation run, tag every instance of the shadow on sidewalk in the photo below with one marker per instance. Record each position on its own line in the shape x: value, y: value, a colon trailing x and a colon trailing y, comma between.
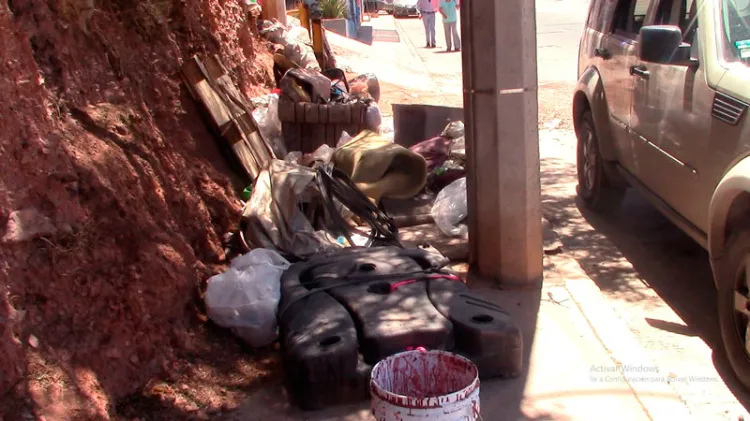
x: 659, y: 254
x: 501, y: 399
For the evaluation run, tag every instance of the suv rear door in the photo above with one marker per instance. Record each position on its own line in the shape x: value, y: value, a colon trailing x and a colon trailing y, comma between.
x: 616, y: 53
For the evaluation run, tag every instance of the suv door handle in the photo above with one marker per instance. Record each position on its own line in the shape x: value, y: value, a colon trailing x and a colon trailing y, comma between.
x: 641, y: 71
x: 603, y: 53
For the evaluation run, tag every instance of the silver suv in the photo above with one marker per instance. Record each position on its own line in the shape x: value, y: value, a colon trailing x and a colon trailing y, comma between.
x: 660, y: 105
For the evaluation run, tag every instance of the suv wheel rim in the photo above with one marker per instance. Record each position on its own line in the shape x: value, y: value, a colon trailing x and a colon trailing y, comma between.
x: 589, y: 160
x: 742, y: 305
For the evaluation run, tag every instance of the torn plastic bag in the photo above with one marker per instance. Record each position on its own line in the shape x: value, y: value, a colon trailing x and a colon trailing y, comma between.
x: 245, y: 298
x: 373, y: 119
x: 272, y: 217
x: 458, y: 148
x: 266, y: 115
x: 386, y: 127
x: 321, y: 155
x: 302, y: 55
x: 273, y: 31
x: 454, y: 130
x: 298, y: 48
x: 450, y: 209
x: 293, y: 157
x: 295, y: 42
x: 297, y: 33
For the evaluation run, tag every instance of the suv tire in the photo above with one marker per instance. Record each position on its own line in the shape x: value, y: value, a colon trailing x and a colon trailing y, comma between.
x: 733, y: 271
x: 594, y: 187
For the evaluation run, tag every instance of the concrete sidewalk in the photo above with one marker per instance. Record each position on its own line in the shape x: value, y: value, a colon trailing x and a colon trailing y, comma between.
x: 393, y: 62
x: 582, y: 363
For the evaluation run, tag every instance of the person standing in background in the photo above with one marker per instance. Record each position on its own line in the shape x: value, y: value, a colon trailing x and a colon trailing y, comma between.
x: 427, y: 12
x: 449, y: 10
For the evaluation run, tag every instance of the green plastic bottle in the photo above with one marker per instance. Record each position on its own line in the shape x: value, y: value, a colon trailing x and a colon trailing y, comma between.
x: 247, y: 193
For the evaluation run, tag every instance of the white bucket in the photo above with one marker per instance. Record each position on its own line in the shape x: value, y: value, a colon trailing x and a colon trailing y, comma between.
x: 425, y: 385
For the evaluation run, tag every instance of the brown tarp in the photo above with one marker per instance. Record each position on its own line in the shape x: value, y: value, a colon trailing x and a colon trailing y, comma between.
x: 272, y: 216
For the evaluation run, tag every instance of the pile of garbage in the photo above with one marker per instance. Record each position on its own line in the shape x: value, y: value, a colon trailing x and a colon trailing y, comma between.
x: 333, y: 160
x: 314, y: 102
x: 446, y: 161
x: 308, y: 204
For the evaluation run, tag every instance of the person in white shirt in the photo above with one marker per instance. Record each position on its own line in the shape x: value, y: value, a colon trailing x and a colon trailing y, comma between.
x: 427, y: 10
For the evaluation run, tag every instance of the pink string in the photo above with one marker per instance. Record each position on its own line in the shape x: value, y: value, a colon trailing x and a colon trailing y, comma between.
x: 411, y: 281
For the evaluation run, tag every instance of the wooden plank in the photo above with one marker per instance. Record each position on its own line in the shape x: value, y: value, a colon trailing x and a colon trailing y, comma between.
x: 245, y: 154
x: 236, y: 138
x: 195, y: 78
x: 261, y: 149
x: 234, y: 99
x: 213, y: 104
x: 192, y: 72
x: 212, y: 86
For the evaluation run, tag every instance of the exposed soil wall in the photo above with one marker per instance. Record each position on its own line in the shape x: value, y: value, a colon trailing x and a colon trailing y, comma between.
x: 113, y: 196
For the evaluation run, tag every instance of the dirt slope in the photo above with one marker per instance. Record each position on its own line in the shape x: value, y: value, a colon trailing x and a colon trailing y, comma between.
x: 113, y: 196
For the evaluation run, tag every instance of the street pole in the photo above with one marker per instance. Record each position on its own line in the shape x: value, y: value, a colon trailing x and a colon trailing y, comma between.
x: 500, y: 106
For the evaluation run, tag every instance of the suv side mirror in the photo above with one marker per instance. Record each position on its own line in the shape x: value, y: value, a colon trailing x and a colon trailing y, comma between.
x: 663, y: 44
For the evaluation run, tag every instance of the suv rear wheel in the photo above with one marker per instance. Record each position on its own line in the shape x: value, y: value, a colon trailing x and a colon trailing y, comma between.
x: 594, y: 188
x: 734, y: 304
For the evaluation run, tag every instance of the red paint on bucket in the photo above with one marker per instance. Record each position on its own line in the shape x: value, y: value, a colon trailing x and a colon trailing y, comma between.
x: 426, y: 380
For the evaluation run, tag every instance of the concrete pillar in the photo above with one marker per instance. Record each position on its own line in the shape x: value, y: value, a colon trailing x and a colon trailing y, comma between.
x: 500, y: 105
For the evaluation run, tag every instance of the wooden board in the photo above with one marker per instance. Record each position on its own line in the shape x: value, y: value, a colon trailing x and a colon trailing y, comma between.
x: 231, y: 118
x: 236, y: 138
x: 237, y: 103
x: 200, y: 88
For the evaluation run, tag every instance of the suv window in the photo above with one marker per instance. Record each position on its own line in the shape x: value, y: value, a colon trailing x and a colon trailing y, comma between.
x: 680, y: 13
x: 736, y: 28
x: 675, y: 12
x: 629, y: 17
x: 601, y: 13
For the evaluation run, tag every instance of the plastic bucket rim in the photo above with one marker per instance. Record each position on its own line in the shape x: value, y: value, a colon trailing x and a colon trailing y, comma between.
x: 450, y: 397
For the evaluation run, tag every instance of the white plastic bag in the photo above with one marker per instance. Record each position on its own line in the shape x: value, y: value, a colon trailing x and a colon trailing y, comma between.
x: 386, y: 129
x: 298, y: 48
x: 293, y: 157
x: 454, y: 130
x: 266, y: 115
x: 458, y: 148
x: 323, y: 154
x: 245, y: 298
x: 373, y: 118
x: 450, y: 209
x: 273, y: 31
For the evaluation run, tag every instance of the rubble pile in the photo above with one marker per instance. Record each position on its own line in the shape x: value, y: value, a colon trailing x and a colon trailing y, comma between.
x: 323, y: 160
